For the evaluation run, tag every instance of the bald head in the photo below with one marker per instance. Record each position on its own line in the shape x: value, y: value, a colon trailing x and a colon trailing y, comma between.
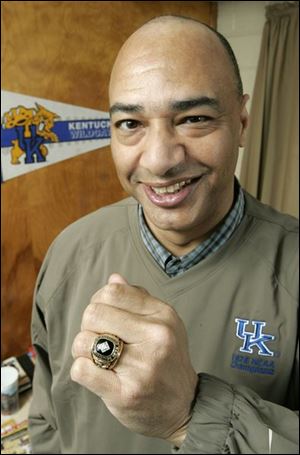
x: 223, y: 41
x: 172, y: 32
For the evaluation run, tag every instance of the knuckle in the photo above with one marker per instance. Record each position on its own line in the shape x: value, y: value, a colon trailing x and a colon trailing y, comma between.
x: 91, y: 313
x: 170, y: 341
x: 170, y: 314
x: 82, y: 345
x: 165, y: 338
x: 76, y: 345
x: 164, y: 333
x: 114, y: 290
x: 95, y: 297
x: 143, y: 291
x: 78, y: 369
x: 109, y: 293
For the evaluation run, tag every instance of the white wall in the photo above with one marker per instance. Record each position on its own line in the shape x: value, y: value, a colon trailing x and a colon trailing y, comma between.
x: 242, y: 24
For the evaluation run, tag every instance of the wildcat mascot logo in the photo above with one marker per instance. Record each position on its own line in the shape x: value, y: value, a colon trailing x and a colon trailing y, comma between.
x: 33, y: 128
x: 38, y: 132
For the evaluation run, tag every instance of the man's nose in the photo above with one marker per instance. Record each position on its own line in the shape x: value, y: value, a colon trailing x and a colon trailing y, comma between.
x: 162, y: 150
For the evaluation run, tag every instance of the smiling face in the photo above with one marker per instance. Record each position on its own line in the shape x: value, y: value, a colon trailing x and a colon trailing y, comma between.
x: 176, y: 126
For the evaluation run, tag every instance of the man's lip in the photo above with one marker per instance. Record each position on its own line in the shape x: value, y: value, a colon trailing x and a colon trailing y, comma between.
x: 170, y: 183
x: 171, y: 200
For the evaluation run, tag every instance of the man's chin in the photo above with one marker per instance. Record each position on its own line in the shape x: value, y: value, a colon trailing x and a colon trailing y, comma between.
x: 166, y: 220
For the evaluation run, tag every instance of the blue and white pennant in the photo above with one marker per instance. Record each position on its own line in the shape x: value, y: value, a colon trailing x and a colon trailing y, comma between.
x: 37, y: 132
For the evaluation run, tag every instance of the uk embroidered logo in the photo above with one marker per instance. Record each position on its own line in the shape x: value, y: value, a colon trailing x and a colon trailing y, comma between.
x: 256, y: 339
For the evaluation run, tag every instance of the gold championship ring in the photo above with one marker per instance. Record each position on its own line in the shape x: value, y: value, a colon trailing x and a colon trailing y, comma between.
x: 106, y: 350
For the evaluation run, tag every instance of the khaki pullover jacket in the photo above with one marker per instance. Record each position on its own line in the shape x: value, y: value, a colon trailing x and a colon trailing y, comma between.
x: 239, y: 307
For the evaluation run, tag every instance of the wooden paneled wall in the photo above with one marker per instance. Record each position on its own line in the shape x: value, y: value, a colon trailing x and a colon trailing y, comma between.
x: 62, y: 51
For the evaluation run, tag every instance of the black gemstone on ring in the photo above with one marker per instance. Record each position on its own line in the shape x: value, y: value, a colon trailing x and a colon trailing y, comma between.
x: 106, y: 350
x: 104, y: 347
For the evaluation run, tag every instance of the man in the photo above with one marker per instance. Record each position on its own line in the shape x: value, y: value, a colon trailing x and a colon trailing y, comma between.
x: 179, y: 304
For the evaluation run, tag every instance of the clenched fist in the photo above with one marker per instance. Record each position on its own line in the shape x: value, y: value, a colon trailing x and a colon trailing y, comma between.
x: 151, y: 388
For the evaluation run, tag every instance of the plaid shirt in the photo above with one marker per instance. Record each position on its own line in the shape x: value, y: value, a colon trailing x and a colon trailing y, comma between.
x: 174, y: 265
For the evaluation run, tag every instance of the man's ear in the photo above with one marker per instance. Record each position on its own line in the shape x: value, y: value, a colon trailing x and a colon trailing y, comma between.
x: 244, y: 121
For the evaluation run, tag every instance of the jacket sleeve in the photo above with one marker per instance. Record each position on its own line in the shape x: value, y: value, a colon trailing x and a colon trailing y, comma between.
x: 234, y: 419
x: 42, y: 426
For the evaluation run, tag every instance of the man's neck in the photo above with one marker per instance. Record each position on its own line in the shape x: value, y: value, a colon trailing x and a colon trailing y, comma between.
x: 180, y: 243
x: 177, y: 243
x: 183, y: 242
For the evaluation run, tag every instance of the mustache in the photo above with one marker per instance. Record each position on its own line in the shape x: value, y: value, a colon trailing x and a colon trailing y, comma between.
x: 180, y: 171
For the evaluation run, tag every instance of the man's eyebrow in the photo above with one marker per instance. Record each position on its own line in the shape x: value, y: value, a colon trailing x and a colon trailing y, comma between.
x: 178, y: 106
x: 127, y: 108
x: 184, y: 105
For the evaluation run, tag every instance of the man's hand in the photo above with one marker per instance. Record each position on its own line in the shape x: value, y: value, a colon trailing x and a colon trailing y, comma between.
x: 151, y: 388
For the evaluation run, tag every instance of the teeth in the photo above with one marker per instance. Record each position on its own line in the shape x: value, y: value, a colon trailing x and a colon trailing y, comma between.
x: 172, y: 188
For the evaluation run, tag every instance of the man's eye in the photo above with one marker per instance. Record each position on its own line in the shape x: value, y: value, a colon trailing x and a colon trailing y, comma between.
x: 127, y: 125
x: 196, y: 119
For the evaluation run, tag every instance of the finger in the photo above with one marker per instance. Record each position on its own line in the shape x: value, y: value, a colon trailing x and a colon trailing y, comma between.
x: 104, y: 383
x: 102, y: 318
x: 83, y: 344
x: 116, y: 278
x: 131, y: 298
